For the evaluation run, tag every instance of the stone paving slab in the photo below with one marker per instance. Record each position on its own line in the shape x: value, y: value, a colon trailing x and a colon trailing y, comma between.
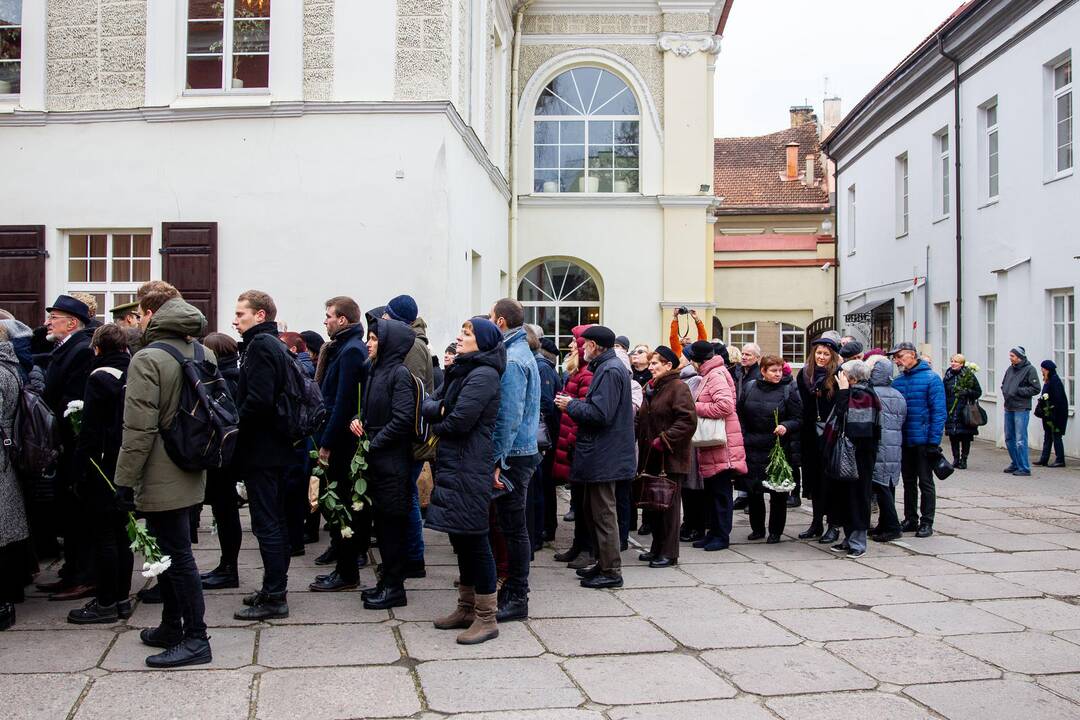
x: 737, y: 574
x: 1015, y: 542
x: 725, y: 631
x: 488, y: 685
x: 839, y: 706
x: 997, y: 699
x: 908, y: 660
x: 1030, y: 653
x: 879, y: 592
x: 996, y: 562
x: 575, y: 604
x: 828, y: 568
x: 333, y: 693
x: 974, y: 587
x: 424, y: 642
x: 941, y: 545
x: 39, y: 651
x: 314, y: 645
x: 738, y: 709
x: 231, y: 647
x: 1065, y: 685
x: 787, y: 671
x: 34, y: 697
x: 947, y: 618
x: 1045, y: 614
x: 203, y: 694
x: 339, y: 607
x: 559, y: 714
x: 908, y: 565
x: 837, y: 624
x: 600, y: 636
x: 782, y: 596
x: 1068, y: 539
x: 677, y: 603
x: 670, y: 677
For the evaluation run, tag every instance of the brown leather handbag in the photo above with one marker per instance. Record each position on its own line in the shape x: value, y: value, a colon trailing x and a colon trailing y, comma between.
x: 657, y: 491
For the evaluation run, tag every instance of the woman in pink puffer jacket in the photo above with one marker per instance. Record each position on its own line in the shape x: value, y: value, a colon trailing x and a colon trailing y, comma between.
x: 721, y: 464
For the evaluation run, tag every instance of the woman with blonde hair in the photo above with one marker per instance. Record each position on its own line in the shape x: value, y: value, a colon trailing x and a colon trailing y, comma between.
x: 962, y: 390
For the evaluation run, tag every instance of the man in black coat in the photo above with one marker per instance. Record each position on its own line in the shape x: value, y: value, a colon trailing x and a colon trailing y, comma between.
x: 263, y: 449
x: 604, y: 452
x: 70, y: 326
x: 342, y: 372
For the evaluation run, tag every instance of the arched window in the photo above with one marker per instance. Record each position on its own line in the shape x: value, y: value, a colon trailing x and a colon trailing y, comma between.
x: 557, y: 296
x: 742, y: 334
x: 793, y: 343
x: 586, y: 136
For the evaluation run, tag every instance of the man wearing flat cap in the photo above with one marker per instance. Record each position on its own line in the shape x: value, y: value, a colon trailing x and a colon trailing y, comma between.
x: 604, y: 453
x: 126, y: 315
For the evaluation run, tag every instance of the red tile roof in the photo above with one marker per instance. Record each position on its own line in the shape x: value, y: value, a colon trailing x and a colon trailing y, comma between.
x: 749, y: 171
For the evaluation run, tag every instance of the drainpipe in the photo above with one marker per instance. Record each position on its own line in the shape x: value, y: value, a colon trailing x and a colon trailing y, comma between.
x: 512, y: 170
x: 956, y: 193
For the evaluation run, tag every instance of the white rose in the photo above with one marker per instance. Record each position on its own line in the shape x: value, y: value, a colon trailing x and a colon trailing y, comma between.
x: 357, y: 506
x: 346, y: 532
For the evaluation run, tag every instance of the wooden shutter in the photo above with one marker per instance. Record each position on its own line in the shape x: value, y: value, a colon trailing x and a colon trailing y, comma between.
x: 22, y: 272
x: 189, y: 262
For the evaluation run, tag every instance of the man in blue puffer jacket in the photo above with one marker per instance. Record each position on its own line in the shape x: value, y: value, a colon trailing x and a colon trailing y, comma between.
x: 925, y: 422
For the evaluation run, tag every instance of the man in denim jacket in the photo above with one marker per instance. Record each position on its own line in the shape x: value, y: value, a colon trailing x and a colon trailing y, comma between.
x: 516, y: 455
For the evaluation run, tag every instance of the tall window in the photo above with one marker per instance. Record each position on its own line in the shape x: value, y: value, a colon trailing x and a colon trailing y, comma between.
x: 1063, y: 116
x: 943, y: 335
x: 586, y: 135
x: 228, y: 45
x: 109, y: 266
x: 559, y: 295
x: 793, y: 343
x: 851, y: 226
x: 902, y: 195
x: 743, y: 333
x: 989, y: 307
x: 1063, y: 307
x: 10, y: 47
x: 942, y: 141
x: 992, y: 169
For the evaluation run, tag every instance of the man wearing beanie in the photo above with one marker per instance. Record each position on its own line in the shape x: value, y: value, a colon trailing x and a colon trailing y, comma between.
x: 516, y: 454
x: 604, y: 454
x: 1020, y: 384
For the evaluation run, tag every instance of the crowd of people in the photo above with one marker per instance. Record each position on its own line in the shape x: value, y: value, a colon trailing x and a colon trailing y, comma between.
x: 675, y: 431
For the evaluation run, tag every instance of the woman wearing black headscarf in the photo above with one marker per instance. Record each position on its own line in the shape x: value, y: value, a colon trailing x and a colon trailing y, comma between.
x: 1053, y: 408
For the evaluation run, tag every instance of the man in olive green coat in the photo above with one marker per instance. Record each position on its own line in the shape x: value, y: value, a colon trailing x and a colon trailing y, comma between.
x: 164, y: 493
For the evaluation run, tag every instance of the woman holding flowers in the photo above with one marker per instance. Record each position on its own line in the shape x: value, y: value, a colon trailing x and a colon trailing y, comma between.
x: 962, y: 389
x: 1053, y: 408
x: 771, y: 413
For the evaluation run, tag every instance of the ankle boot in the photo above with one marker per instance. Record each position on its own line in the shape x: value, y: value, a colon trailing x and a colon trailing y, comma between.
x: 391, y: 596
x: 223, y: 576
x: 267, y: 606
x: 463, y: 615
x: 483, y: 627
x: 7, y: 615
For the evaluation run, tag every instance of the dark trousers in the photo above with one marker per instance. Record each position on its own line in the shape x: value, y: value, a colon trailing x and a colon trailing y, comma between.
x: 113, y: 557
x: 777, y: 510
x: 551, y: 506
x: 598, y: 505
x: 393, y: 534
x: 510, y: 509
x: 695, y: 513
x: 665, y: 525
x: 719, y: 493
x: 225, y: 506
x: 476, y: 565
x: 350, y: 549
x: 534, y: 508
x: 415, y: 525
x: 296, y: 505
x: 915, y: 470
x: 1056, y: 442
x: 75, y: 527
x: 623, y: 508
x: 961, y: 446
x: 823, y: 502
x: 266, y: 488
x: 181, y: 587
x: 888, y: 521
x: 582, y: 534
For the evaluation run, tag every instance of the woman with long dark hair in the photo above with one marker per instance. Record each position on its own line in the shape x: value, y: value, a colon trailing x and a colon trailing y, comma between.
x: 817, y: 391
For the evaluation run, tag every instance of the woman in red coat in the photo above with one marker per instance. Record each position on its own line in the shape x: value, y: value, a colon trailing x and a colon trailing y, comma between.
x: 579, y: 377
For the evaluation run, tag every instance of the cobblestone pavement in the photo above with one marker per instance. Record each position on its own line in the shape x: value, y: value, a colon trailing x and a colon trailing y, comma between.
x: 980, y: 621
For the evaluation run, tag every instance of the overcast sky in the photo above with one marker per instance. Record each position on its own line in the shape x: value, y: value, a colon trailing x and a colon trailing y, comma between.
x: 777, y: 53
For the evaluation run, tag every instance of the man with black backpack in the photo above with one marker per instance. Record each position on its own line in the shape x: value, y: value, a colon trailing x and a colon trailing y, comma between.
x: 264, y: 449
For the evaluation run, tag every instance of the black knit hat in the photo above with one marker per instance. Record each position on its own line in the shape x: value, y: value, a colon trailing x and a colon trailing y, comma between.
x: 701, y: 351
x: 313, y: 340
x: 668, y: 354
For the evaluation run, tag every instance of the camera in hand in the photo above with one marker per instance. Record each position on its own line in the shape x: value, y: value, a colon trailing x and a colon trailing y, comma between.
x: 684, y: 311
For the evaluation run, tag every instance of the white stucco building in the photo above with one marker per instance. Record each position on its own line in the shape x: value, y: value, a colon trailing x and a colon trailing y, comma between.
x: 956, y: 196
x: 309, y: 148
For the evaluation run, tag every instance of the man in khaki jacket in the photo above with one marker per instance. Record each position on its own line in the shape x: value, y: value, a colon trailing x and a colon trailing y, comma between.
x: 165, y: 494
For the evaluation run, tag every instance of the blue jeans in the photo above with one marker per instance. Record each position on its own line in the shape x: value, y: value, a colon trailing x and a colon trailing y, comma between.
x: 414, y: 533
x: 1016, y: 438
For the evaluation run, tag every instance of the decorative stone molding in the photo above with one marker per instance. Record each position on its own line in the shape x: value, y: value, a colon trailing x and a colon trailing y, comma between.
x: 686, y: 44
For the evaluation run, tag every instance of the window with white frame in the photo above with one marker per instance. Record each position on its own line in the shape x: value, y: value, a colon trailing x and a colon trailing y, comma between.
x: 586, y: 135
x: 851, y: 227
x: 902, y: 195
x: 558, y: 296
x: 990, y: 117
x: 942, y: 172
x: 792, y: 343
x: 989, y: 313
x: 228, y: 45
x: 108, y: 265
x: 1063, y: 116
x: 942, y: 335
x: 1063, y: 309
x: 742, y: 333
x: 10, y: 47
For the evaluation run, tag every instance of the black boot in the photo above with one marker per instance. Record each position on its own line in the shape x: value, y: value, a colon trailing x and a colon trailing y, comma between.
x: 92, y: 613
x: 266, y: 607
x: 223, y: 576
x: 190, y: 651
x: 151, y: 595
x: 163, y: 636
x: 831, y: 536
x: 329, y: 556
x: 388, y: 597
x: 811, y: 532
x: 7, y: 615
x: 513, y: 606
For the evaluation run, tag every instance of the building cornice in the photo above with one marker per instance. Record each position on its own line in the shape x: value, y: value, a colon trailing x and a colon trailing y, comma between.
x: 698, y: 201
x: 686, y: 44
x: 580, y: 200
x: 271, y: 111
x: 589, y: 39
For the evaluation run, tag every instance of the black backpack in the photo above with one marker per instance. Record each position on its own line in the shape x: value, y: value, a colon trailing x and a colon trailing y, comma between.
x: 34, y: 445
x: 300, y: 407
x: 202, y: 435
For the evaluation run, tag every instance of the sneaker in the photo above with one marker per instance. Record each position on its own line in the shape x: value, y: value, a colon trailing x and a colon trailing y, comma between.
x: 855, y: 554
x: 190, y: 651
x: 92, y: 612
x: 924, y: 531
x: 1010, y: 469
x: 840, y: 547
x: 1022, y: 473
x: 162, y: 636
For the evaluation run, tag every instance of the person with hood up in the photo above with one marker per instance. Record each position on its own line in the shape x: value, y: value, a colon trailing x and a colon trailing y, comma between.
x: 957, y: 401
x: 388, y: 420
x: 720, y: 464
x: 163, y: 492
x: 890, y: 449
x: 817, y: 394
x: 924, y: 424
x: 1053, y: 408
x: 578, y: 379
x: 768, y: 408
x: 462, y: 415
x: 604, y: 455
x: 665, y: 427
x: 1018, y: 386
x: 20, y: 336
